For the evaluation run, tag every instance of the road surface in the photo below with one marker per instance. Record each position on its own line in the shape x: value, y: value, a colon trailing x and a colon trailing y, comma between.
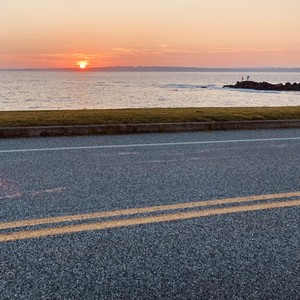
x: 203, y: 215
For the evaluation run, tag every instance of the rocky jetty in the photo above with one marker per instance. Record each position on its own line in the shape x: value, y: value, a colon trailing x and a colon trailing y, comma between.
x: 265, y: 86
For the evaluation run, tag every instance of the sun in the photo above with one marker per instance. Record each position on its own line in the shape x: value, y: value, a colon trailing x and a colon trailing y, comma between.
x: 82, y: 64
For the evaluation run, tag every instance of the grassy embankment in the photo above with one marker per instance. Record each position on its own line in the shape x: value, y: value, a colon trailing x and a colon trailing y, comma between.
x: 155, y: 115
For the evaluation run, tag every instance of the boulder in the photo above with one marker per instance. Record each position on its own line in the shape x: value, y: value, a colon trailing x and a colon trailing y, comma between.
x: 264, y: 86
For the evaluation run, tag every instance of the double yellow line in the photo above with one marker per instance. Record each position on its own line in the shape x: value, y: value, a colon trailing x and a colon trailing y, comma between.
x: 164, y: 213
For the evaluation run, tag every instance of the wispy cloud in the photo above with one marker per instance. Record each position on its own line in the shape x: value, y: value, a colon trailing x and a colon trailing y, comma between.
x: 161, y: 54
x: 252, y: 50
x: 161, y: 49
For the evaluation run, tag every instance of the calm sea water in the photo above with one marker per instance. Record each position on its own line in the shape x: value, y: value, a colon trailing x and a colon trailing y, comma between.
x: 22, y: 90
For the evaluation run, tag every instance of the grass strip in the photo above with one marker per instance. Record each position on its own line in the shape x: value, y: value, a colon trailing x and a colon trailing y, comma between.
x: 139, y: 116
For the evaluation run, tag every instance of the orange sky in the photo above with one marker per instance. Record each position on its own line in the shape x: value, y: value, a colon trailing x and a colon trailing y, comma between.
x: 214, y: 33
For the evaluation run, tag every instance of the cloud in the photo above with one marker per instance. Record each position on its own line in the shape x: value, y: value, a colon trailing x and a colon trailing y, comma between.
x: 159, y: 55
x: 253, y: 50
x: 160, y: 50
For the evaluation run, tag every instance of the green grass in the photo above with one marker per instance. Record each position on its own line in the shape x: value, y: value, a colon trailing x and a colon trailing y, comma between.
x: 153, y: 115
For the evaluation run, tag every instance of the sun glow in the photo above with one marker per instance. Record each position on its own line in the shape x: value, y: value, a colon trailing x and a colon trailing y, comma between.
x: 82, y: 64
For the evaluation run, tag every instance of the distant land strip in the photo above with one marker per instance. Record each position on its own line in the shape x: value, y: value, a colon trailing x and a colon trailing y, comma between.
x: 157, y: 69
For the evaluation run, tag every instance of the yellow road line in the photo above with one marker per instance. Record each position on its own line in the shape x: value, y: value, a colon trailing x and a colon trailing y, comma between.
x: 132, y: 211
x: 21, y: 235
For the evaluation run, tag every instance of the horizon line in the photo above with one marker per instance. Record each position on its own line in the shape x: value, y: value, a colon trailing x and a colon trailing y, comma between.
x: 145, y: 68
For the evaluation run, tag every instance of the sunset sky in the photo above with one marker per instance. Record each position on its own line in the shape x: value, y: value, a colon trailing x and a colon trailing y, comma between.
x: 212, y: 33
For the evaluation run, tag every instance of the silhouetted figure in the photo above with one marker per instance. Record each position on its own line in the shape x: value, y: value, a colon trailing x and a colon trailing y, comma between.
x: 242, y: 78
x: 248, y: 77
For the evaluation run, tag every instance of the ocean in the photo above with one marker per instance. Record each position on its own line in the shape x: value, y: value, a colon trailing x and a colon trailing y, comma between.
x: 51, y: 90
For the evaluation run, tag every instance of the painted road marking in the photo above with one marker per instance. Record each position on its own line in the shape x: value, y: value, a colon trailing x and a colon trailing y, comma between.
x: 151, y: 209
x: 149, y: 145
x: 21, y: 235
x: 166, y: 216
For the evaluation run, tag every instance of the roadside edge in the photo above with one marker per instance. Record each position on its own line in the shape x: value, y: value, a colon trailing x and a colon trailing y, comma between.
x: 41, y: 131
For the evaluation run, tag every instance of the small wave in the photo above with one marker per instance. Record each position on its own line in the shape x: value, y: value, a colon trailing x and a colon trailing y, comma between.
x: 102, y: 83
x: 258, y: 91
x: 275, y: 92
x: 176, y: 86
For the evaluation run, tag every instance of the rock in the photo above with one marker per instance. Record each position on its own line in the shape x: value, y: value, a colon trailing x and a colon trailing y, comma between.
x: 265, y: 86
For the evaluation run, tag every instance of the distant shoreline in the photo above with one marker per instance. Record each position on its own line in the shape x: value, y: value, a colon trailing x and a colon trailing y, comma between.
x: 156, y: 69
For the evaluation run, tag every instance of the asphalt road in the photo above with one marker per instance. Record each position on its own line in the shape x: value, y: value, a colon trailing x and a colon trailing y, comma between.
x: 205, y: 215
